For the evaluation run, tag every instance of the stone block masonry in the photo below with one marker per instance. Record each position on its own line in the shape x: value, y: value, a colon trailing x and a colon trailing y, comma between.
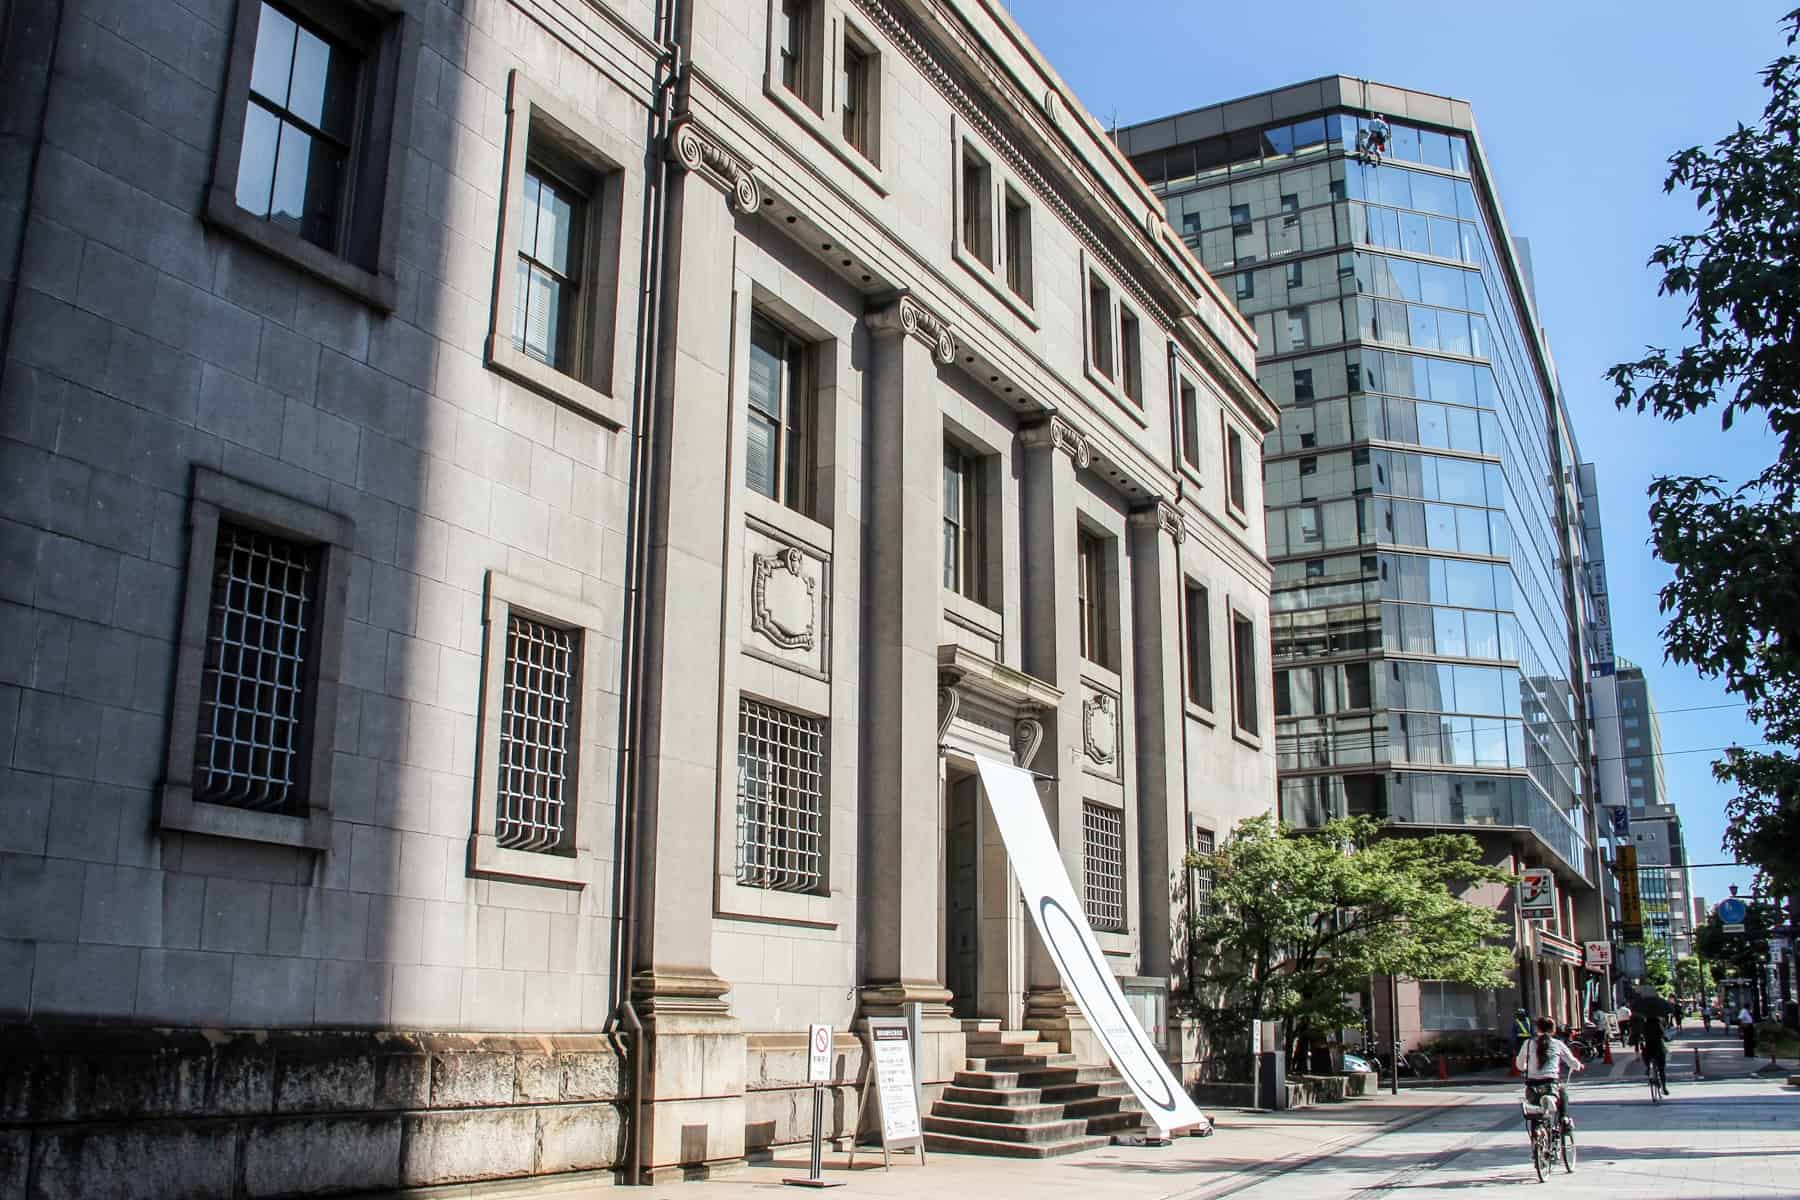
x: 235, y: 1115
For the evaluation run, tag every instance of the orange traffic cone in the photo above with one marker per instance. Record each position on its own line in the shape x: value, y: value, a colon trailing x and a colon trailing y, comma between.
x: 1606, y: 1046
x: 1443, y: 1067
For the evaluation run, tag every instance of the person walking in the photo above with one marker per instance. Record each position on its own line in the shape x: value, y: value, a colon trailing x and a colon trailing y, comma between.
x: 1705, y: 1018
x: 1747, y: 1027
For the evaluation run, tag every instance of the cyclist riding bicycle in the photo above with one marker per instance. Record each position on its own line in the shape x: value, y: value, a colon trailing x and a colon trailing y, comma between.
x: 1542, y: 1060
x: 1653, y: 1046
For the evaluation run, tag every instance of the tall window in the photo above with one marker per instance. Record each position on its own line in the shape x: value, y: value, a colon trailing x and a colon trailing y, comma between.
x: 295, y: 167
x: 1018, y: 246
x: 252, y: 750
x: 1103, y: 865
x: 1303, y: 384
x: 1234, y: 468
x: 977, y: 213
x: 798, y: 59
x: 1244, y: 679
x: 859, y: 96
x: 1201, y: 883
x: 778, y: 460
x: 1246, y: 285
x: 964, y: 554
x: 1100, y: 325
x: 540, y: 699
x: 1199, y: 645
x: 1298, y: 329
x: 1190, y: 425
x: 1091, y: 609
x: 781, y: 799
x: 549, y: 271
x: 1131, y: 356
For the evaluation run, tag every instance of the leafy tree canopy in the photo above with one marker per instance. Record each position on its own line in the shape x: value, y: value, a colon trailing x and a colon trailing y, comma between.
x: 1657, y: 976
x: 1733, y: 605
x: 1693, y: 977
x: 1298, y: 922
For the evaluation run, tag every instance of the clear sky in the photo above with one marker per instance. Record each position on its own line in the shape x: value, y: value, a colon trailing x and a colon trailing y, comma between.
x: 1579, y: 104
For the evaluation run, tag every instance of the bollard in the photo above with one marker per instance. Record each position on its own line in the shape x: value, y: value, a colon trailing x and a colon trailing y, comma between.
x: 1697, y: 1062
x: 1606, y: 1047
x: 1443, y: 1067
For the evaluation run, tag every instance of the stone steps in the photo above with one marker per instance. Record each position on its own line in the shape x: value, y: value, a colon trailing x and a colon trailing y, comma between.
x: 1021, y: 1062
x: 1036, y: 1132
x: 1001, y: 1097
x: 1020, y: 1096
x: 947, y: 1144
x: 999, y: 1114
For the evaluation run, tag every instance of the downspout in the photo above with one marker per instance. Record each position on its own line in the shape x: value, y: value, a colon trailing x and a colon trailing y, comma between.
x: 1181, y: 621
x: 640, y: 494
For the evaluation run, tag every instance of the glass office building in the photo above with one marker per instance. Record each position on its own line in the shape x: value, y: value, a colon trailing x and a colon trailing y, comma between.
x: 1431, y: 604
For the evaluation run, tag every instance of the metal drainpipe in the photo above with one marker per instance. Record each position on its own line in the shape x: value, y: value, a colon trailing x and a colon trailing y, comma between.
x: 641, y: 485
x: 1187, y: 808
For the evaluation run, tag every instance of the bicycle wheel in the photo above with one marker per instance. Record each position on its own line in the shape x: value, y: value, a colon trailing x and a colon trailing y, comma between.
x: 1568, y: 1151
x: 1540, y: 1152
x: 1655, y: 1084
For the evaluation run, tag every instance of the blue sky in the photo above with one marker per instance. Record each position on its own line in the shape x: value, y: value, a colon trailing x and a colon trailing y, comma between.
x: 1579, y: 104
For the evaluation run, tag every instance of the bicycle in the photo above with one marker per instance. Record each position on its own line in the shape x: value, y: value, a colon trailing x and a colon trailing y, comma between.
x: 1658, y: 1080
x: 1549, y: 1139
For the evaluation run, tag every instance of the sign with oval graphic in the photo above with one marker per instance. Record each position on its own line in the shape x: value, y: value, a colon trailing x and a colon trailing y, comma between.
x: 1065, y: 930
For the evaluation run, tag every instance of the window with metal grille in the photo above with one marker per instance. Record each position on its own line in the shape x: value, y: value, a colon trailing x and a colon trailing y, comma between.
x: 781, y: 799
x: 1103, y: 864
x: 1201, y: 886
x: 535, y: 791
x: 251, y: 750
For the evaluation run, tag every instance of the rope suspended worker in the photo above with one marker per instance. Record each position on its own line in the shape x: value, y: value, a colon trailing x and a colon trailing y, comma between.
x: 1372, y: 139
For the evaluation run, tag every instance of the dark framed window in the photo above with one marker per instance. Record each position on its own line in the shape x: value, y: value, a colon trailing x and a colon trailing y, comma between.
x: 1190, y: 424
x: 256, y: 672
x: 1018, y: 246
x: 1246, y: 285
x: 964, y: 548
x: 797, y: 32
x: 1198, y: 613
x: 1240, y: 218
x: 1234, y: 468
x: 1303, y: 383
x: 1093, y: 612
x: 310, y: 135
x: 1296, y: 275
x: 548, y: 296
x: 779, y: 451
x: 1100, y: 333
x: 1243, y: 658
x: 861, y: 97
x: 1131, y: 356
x: 977, y: 206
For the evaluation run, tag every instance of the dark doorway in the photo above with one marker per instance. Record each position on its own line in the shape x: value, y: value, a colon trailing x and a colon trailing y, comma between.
x: 962, y: 893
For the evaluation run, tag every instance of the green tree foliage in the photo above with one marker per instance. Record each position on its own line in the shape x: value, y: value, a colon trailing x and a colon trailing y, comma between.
x: 1298, y: 922
x: 1657, y: 975
x: 1737, y: 954
x: 1733, y: 605
x: 1693, y: 977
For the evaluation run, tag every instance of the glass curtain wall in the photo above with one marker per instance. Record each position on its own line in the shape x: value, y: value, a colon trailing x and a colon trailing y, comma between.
x: 1422, y: 627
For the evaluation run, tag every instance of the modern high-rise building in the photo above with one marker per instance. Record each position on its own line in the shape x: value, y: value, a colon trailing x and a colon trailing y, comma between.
x: 1425, y: 516
x: 1628, y: 746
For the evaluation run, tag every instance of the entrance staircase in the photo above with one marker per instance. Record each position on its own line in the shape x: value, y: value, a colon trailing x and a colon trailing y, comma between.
x: 1019, y: 1098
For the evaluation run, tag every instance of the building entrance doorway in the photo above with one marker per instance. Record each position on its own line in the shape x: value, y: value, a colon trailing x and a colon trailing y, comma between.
x: 962, y: 892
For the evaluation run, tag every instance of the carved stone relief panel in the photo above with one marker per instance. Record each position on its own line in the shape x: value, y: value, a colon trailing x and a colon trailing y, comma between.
x: 1100, y: 740
x: 785, y: 602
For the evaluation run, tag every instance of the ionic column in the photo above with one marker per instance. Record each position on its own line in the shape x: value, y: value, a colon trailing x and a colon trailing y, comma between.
x: 1156, y: 598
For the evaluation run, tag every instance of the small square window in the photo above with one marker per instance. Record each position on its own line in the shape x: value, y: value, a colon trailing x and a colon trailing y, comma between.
x: 1018, y: 246
x: 1131, y: 363
x: 780, y: 799
x: 1240, y: 218
x: 1103, y: 865
x: 977, y: 207
x: 780, y: 458
x: 310, y: 136
x: 1290, y: 208
x: 1309, y: 466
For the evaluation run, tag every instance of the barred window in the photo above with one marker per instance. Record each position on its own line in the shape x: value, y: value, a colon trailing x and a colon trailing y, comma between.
x: 1103, y: 862
x: 1201, y: 885
x: 781, y: 809
x: 251, y: 751
x: 535, y: 801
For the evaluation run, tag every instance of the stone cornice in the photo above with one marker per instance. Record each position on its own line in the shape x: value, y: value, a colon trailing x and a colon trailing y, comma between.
x: 907, y: 317
x: 1059, y: 434
x: 695, y: 149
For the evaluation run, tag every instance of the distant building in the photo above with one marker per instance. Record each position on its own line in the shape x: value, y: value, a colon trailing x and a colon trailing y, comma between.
x: 1425, y: 515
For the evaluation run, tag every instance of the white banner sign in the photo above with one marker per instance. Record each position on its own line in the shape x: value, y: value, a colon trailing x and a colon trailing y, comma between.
x: 894, y: 1084
x: 1064, y: 927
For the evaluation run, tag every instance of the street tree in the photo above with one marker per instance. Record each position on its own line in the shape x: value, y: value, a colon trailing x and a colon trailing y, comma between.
x: 1733, y: 604
x: 1296, y: 923
x: 1693, y: 978
x: 1657, y: 976
x: 1738, y: 955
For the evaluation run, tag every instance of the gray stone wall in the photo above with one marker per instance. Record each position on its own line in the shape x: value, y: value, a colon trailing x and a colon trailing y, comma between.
x: 248, y: 1116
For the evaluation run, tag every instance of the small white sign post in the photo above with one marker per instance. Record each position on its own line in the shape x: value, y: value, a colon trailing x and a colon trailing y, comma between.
x: 896, y: 1088
x: 818, y: 1073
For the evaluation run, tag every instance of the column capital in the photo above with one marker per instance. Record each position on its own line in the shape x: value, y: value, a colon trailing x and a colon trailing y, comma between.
x: 1059, y: 434
x: 907, y: 316
x: 1160, y: 514
x: 696, y: 149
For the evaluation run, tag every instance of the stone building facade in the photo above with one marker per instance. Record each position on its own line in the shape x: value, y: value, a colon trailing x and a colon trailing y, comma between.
x: 520, y: 516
